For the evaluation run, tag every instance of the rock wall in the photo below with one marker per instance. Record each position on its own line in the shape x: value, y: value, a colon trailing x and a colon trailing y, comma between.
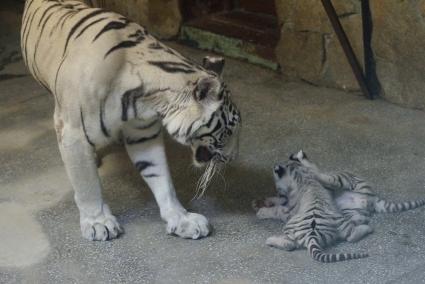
x: 160, y: 17
x: 399, y: 47
x: 308, y: 48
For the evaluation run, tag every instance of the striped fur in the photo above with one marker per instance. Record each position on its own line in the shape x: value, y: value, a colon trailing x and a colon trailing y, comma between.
x: 113, y: 82
x: 353, y: 193
x: 313, y: 220
x: 321, y: 208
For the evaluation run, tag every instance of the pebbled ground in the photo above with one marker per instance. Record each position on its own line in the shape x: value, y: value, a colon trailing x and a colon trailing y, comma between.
x: 40, y: 240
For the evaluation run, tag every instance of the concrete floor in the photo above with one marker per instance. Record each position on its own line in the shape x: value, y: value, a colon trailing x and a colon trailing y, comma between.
x: 40, y: 240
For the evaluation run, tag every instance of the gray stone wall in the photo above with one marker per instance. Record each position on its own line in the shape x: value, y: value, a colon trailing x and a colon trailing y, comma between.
x: 399, y: 47
x: 308, y: 48
x: 160, y: 17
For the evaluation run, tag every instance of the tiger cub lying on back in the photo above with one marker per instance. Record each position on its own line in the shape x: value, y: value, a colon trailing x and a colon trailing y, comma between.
x: 321, y: 209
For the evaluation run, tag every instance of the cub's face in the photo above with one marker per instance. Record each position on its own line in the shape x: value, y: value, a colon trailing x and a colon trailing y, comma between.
x: 289, y: 177
x: 284, y: 183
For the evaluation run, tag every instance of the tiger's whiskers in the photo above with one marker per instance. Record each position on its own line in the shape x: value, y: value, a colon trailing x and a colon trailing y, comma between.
x: 205, y: 179
x: 220, y: 173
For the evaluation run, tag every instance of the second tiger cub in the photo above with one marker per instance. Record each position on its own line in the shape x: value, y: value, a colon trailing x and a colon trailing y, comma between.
x: 320, y: 209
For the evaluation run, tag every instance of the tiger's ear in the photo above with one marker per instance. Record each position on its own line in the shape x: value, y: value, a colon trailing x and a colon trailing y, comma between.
x: 302, y: 155
x: 215, y: 64
x: 298, y: 157
x: 207, y: 88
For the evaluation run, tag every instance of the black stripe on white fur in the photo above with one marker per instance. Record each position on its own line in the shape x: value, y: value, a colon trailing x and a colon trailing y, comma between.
x: 130, y: 141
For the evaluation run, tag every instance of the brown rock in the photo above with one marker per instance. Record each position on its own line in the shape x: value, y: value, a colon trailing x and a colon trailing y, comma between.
x: 284, y: 10
x: 338, y: 72
x: 398, y: 41
x: 164, y: 17
x: 300, y: 54
x: 309, y: 15
x: 138, y: 11
x: 422, y: 7
x: 308, y: 48
x: 161, y: 17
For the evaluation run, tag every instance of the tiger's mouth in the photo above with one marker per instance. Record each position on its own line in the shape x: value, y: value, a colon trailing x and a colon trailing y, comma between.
x: 203, y: 155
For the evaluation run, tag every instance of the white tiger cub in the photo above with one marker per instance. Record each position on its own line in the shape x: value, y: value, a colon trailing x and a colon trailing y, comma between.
x: 353, y: 195
x: 312, y: 219
x: 114, y: 83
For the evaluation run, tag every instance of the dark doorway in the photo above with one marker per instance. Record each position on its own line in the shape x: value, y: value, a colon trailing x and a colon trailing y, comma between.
x: 241, y: 28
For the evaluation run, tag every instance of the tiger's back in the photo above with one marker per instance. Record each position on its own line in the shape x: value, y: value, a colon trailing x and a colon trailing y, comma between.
x: 92, y: 40
x: 91, y: 57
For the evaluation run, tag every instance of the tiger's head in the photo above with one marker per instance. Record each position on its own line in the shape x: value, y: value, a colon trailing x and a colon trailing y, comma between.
x: 197, y: 111
x: 217, y: 139
x: 205, y: 118
x: 291, y: 176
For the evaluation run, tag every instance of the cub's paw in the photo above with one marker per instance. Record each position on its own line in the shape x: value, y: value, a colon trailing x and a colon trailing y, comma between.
x: 189, y: 226
x: 280, y: 242
x: 269, y: 202
x: 257, y: 204
x: 275, y: 212
x: 268, y: 213
x: 102, y: 227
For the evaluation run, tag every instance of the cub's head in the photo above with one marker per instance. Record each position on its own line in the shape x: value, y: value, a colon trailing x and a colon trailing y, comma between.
x: 292, y: 175
x: 216, y: 138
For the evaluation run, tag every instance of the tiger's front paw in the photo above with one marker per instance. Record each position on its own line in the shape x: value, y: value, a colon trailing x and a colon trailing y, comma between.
x: 189, y: 226
x: 102, y: 227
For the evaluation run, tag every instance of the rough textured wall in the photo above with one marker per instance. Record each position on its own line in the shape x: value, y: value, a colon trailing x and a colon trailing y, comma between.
x: 308, y: 48
x: 160, y: 17
x: 399, y: 47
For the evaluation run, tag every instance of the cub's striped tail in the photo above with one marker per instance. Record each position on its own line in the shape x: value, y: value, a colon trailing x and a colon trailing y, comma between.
x: 317, y: 253
x: 383, y: 206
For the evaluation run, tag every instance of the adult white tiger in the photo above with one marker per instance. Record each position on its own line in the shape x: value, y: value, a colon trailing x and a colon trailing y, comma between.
x: 113, y: 82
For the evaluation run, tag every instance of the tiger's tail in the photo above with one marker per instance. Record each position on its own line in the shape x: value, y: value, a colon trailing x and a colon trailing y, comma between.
x: 383, y: 206
x: 316, y: 252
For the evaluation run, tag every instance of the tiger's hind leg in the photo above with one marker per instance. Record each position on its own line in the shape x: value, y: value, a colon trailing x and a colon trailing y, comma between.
x: 359, y: 232
x: 282, y: 242
x: 352, y: 232
x: 145, y: 147
x: 96, y: 221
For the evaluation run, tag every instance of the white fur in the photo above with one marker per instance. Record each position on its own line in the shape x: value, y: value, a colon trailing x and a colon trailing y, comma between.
x: 84, y: 81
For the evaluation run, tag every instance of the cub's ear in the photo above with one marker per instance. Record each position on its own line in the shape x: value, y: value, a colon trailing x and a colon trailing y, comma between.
x: 301, y: 155
x: 298, y: 157
x: 207, y: 88
x: 215, y: 64
x: 293, y: 157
